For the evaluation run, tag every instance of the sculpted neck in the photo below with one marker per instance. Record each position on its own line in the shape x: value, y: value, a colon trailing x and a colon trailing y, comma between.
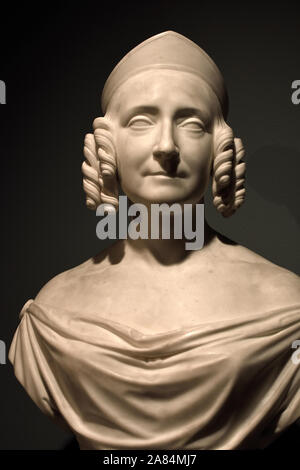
x: 167, y: 252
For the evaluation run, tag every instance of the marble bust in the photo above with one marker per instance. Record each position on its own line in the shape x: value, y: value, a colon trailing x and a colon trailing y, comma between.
x: 147, y: 345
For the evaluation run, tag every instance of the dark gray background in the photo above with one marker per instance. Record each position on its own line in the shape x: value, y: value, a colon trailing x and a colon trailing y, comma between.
x: 55, y: 61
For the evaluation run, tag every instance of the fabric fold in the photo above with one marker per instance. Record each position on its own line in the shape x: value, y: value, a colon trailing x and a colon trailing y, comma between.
x: 228, y: 384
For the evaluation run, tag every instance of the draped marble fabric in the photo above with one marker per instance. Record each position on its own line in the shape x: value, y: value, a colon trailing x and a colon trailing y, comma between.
x: 227, y: 384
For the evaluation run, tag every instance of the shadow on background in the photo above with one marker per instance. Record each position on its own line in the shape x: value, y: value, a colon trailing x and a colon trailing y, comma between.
x: 272, y: 168
x: 268, y: 222
x: 289, y: 440
x: 72, y: 444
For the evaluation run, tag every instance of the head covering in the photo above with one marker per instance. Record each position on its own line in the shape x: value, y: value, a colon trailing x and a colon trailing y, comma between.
x: 167, y: 50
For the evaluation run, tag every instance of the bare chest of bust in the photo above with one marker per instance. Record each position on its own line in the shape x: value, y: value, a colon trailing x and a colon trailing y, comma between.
x: 155, y: 302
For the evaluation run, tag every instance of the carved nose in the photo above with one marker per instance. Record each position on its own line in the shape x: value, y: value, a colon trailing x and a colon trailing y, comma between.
x: 166, y: 147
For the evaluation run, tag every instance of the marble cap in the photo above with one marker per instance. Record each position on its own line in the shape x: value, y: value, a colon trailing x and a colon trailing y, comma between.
x: 167, y: 50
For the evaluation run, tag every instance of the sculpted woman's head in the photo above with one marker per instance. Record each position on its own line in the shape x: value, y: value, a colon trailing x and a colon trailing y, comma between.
x: 164, y: 131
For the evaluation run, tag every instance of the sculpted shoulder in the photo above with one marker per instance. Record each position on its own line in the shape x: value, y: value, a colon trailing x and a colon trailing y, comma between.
x: 248, y: 282
x: 73, y: 288
x: 280, y: 285
x: 274, y: 285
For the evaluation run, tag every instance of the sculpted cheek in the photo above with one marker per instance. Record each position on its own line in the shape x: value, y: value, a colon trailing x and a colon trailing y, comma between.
x: 201, y: 157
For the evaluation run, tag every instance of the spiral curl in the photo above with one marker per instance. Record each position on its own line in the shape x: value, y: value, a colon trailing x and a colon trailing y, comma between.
x: 228, y: 175
x: 99, y: 168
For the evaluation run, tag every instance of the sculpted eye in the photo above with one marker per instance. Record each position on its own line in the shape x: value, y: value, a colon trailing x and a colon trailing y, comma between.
x: 140, y: 122
x: 193, y: 124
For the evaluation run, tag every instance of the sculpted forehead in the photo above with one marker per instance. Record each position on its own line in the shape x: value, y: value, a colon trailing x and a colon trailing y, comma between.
x: 153, y: 88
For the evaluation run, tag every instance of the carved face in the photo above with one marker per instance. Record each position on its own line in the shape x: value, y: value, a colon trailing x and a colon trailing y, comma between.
x: 163, y: 121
